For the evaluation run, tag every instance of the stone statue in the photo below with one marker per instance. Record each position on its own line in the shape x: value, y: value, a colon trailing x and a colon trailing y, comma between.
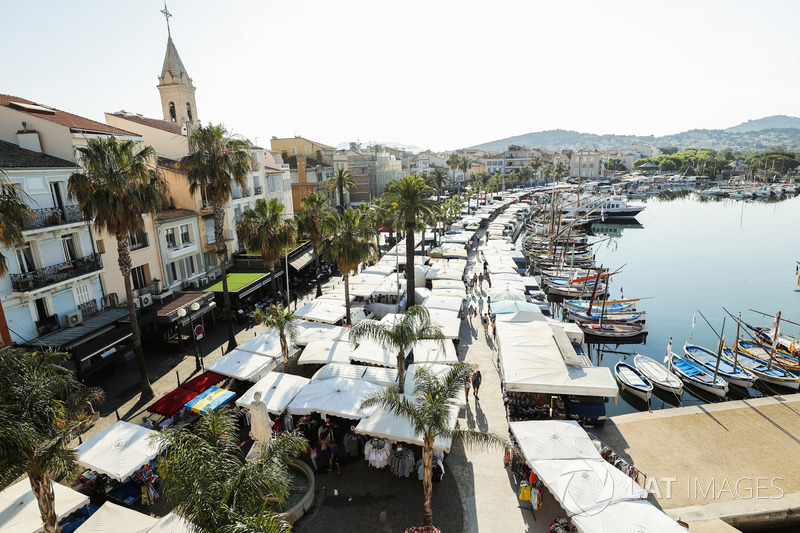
x: 260, y: 425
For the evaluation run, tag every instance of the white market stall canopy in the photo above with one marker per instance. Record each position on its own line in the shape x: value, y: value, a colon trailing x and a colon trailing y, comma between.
x: 382, y: 267
x: 386, y: 425
x: 370, y: 352
x: 325, y: 311
x: 312, y: 331
x: 113, y: 518
x: 389, y: 287
x: 598, y: 496
x: 448, y: 321
x: 447, y: 284
x: 499, y: 293
x: 363, y: 285
x: 277, y: 390
x: 336, y: 294
x: 386, y: 377
x: 19, y: 509
x: 324, y: 352
x: 267, y: 344
x: 119, y: 450
x: 533, y: 360
x: 429, y: 351
x: 242, y: 365
x: 454, y: 251
x: 171, y: 523
x: 336, y: 397
x: 443, y: 301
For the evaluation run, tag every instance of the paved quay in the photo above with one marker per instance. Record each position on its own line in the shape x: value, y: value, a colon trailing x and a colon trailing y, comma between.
x: 733, y: 460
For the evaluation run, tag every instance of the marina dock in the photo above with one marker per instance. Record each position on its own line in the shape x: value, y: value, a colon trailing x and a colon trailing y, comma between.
x: 735, y: 461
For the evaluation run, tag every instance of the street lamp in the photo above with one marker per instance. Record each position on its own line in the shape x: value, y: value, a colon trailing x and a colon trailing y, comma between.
x: 182, y: 313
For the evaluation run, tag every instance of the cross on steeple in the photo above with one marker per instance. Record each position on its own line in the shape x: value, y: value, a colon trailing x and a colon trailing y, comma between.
x: 167, y: 15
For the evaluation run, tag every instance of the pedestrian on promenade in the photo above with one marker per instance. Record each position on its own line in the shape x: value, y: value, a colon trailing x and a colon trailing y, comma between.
x: 480, y: 305
x: 494, y: 329
x: 486, y: 326
x: 485, y: 267
x: 471, y: 286
x: 466, y: 390
x: 476, y: 382
x: 474, y: 278
x: 480, y: 279
x: 471, y: 312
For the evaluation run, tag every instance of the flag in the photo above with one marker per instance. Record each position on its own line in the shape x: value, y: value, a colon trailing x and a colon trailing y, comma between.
x: 775, y: 335
x: 669, y: 350
x: 694, y: 322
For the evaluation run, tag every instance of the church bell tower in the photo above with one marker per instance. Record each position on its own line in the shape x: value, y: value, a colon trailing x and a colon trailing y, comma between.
x: 175, y: 86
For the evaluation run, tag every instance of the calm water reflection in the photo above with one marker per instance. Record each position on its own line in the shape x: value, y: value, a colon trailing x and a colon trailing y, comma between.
x: 691, y: 253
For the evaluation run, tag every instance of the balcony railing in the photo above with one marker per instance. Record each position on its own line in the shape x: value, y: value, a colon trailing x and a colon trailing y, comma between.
x: 53, y: 216
x: 88, y: 309
x: 52, y: 274
x: 227, y: 235
x: 47, y: 325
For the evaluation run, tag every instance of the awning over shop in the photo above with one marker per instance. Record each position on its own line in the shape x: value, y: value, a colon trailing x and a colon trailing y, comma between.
x: 118, y: 451
x: 277, y: 390
x: 203, y: 381
x: 243, y: 365
x: 113, y: 518
x: 302, y: 260
x: 325, y: 311
x: 210, y: 400
x: 19, y: 509
x: 172, y: 402
x: 167, y: 312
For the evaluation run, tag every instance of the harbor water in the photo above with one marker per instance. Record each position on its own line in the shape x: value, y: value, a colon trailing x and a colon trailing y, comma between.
x: 689, y: 253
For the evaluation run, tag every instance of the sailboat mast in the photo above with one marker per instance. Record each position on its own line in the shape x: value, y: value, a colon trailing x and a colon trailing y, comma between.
x: 719, y: 349
x: 774, y: 340
x: 736, y: 344
x: 594, y: 292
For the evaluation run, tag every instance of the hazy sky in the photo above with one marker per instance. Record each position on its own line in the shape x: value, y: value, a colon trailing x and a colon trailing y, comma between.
x: 432, y: 73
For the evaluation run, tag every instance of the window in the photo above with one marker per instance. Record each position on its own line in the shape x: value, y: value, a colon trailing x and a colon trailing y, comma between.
x: 210, y: 259
x: 190, y: 265
x: 82, y: 293
x: 185, y: 233
x: 138, y: 239
x: 172, y: 116
x: 189, y: 111
x: 170, y: 236
x: 138, y: 277
x: 25, y: 258
x: 294, y: 150
x: 172, y: 272
x: 101, y: 247
x: 69, y: 249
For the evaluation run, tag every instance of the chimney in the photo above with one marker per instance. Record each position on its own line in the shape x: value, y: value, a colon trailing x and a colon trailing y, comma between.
x: 29, y: 139
x: 301, y: 169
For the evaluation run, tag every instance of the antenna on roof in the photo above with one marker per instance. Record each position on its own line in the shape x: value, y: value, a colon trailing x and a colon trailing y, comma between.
x: 167, y: 15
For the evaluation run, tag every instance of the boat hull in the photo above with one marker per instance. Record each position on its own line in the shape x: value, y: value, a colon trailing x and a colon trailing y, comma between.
x: 740, y: 378
x: 715, y: 389
x: 641, y: 392
x: 776, y: 376
x: 675, y: 386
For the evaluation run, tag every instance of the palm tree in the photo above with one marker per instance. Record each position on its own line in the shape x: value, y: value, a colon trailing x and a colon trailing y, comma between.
x: 309, y: 224
x: 340, y: 182
x: 536, y: 163
x: 265, y: 230
x: 350, y: 241
x: 215, y: 165
x: 14, y: 213
x: 117, y: 185
x: 439, y: 179
x: 207, y: 478
x: 559, y: 168
x: 454, y: 162
x: 525, y: 174
x: 285, y: 322
x: 465, y: 165
x: 411, y: 195
x: 401, y: 336
x: 429, y: 411
x: 42, y: 409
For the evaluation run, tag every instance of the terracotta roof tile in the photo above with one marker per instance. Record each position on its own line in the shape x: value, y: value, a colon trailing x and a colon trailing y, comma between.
x: 164, y: 125
x: 75, y: 123
x: 174, y: 214
x: 12, y: 156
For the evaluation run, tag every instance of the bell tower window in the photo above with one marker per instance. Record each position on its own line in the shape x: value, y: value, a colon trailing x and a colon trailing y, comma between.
x: 172, y: 116
x: 189, y: 111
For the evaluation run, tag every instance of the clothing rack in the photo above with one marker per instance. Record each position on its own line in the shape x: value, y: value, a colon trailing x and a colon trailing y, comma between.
x: 618, y: 462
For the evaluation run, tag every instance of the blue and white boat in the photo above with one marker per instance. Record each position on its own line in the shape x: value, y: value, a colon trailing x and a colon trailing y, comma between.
x: 633, y: 381
x: 693, y: 374
x: 616, y: 317
x: 658, y: 374
x: 583, y: 305
x: 775, y: 375
x: 708, y: 360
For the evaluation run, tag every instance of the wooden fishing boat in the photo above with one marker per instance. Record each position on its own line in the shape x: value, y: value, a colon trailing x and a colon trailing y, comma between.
x: 633, y: 381
x: 658, y: 374
x: 583, y: 305
x: 775, y: 375
x: 612, y: 317
x: 569, y: 291
x: 708, y: 360
x: 612, y: 331
x: 693, y: 374
x: 766, y: 335
x: 782, y: 359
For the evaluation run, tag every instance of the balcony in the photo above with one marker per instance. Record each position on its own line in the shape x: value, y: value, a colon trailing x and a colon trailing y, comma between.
x: 50, y: 275
x: 53, y: 216
x: 258, y: 190
x: 227, y: 235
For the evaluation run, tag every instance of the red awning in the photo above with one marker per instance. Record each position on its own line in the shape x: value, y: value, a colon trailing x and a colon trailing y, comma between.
x: 172, y: 402
x: 203, y: 381
x: 384, y: 230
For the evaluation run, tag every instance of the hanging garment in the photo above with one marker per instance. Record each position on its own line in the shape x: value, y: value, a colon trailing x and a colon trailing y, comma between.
x: 525, y: 492
x: 401, y: 462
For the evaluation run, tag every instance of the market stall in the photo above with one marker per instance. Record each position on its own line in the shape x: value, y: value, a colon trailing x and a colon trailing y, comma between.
x: 19, y: 509
x: 312, y: 331
x: 324, y: 352
x: 322, y: 310
x: 171, y: 523
x: 335, y: 397
x: 112, y: 518
x: 210, y: 400
x: 386, y: 425
x: 118, y: 451
x: 429, y: 351
x: 267, y: 344
x: 246, y: 366
x: 277, y: 390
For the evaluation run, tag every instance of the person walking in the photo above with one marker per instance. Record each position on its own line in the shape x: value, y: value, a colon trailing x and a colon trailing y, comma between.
x: 480, y: 279
x: 494, y: 329
x: 480, y: 305
x: 476, y: 382
x: 485, y: 267
x: 466, y: 390
x: 471, y: 286
x: 485, y: 321
x: 471, y: 312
